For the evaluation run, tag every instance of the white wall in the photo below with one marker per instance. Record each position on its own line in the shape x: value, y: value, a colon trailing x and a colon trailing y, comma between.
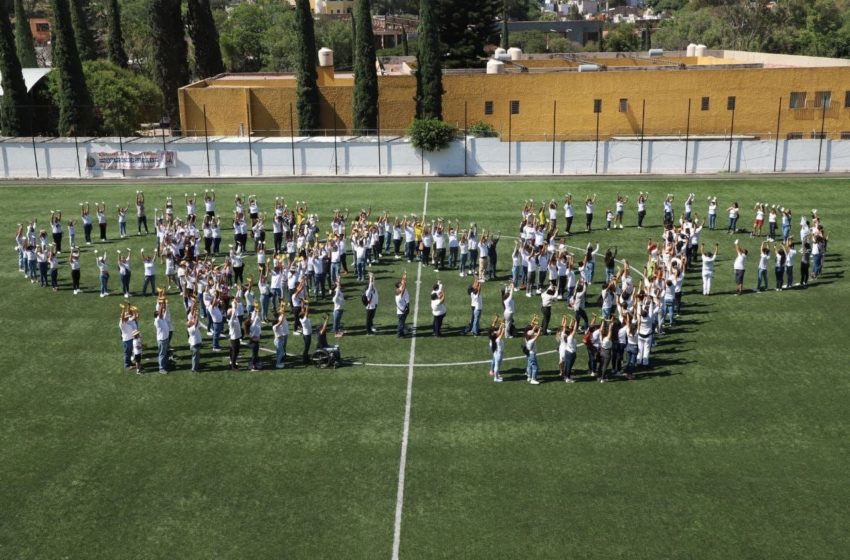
x: 273, y: 157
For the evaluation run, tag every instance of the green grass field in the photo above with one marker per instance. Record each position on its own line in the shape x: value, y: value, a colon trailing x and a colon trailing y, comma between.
x: 734, y: 444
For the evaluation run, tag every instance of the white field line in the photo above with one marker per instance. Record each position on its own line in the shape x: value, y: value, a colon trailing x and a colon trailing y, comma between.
x: 399, y: 506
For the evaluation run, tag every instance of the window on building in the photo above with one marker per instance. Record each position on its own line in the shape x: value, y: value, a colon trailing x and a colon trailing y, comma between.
x: 730, y: 103
x: 597, y: 105
x: 515, y: 107
x: 488, y: 107
x: 705, y: 103
x: 798, y: 100
x: 845, y: 135
x: 818, y: 136
x: 794, y: 136
x: 624, y: 105
x: 822, y: 99
x: 847, y: 99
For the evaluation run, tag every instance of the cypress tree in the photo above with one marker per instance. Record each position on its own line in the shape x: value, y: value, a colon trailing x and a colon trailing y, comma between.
x: 505, y: 44
x: 82, y: 32
x: 23, y: 37
x: 14, y: 114
x: 306, y: 88
x: 114, y: 36
x: 430, y: 84
x: 204, y: 36
x: 365, y: 76
x: 74, y: 99
x: 170, y: 53
x: 405, y: 49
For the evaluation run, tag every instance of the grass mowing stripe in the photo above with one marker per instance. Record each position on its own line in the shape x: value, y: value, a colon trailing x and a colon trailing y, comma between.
x: 399, y: 506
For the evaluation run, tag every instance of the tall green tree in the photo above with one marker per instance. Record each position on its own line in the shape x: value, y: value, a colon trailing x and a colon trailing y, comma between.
x: 82, y: 30
x: 429, y: 65
x: 306, y: 78
x: 505, y: 35
x: 74, y: 99
x: 204, y: 37
x: 14, y: 118
x: 170, y: 53
x: 365, y: 76
x: 114, y: 35
x: 465, y: 27
x: 23, y: 37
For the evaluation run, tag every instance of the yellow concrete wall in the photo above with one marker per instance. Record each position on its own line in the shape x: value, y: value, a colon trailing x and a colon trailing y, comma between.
x: 666, y: 93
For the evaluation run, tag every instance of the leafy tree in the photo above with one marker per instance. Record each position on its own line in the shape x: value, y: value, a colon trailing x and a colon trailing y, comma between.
x: 23, y: 37
x: 465, y: 27
x: 82, y: 31
x: 306, y: 88
x: 548, y: 16
x: 114, y: 36
x: 14, y: 116
x: 365, y: 77
x: 431, y: 135
x: 573, y: 13
x: 504, y: 40
x: 530, y: 42
x: 122, y: 100
x: 395, y: 7
x: 622, y: 38
x: 429, y: 73
x: 692, y: 27
x: 563, y: 45
x: 245, y: 36
x: 337, y: 35
x: 748, y: 21
x: 281, y: 41
x: 73, y: 99
x: 170, y: 53
x: 521, y: 10
x: 204, y: 35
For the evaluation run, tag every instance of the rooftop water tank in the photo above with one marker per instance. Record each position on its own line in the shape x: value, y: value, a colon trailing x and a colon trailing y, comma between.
x: 503, y: 56
x: 656, y: 52
x: 588, y: 68
x: 515, y: 53
x: 495, y: 67
x: 326, y: 57
x: 700, y: 50
x: 499, y: 51
x: 692, y: 49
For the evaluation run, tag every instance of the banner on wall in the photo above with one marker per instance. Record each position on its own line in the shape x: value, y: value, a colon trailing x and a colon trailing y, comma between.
x: 158, y: 159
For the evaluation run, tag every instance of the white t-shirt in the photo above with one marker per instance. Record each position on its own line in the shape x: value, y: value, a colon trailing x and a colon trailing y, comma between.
x: 162, y: 329
x: 708, y: 265
x: 740, y: 262
x: 401, y: 302
x: 437, y: 307
x: 127, y: 328
x: 194, y: 335
x: 475, y: 300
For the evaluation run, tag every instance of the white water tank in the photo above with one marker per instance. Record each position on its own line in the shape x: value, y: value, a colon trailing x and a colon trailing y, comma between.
x: 515, y: 53
x: 498, y: 52
x: 588, y: 68
x: 700, y: 50
x: 692, y: 50
x: 495, y: 67
x: 656, y: 52
x: 326, y: 57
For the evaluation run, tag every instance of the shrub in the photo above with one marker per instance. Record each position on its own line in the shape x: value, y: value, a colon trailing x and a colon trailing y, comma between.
x: 431, y: 135
x: 483, y: 130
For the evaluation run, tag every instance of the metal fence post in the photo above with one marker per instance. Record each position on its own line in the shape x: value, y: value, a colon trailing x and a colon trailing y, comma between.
x: 510, y: 136
x: 554, y: 121
x: 250, y: 149
x: 378, y: 123
x: 121, y: 152
x: 731, y: 136
x: 776, y: 143
x: 206, y: 140
x: 292, y: 138
x: 687, y: 135
x: 465, y: 139
x: 336, y: 158
x: 822, y: 123
x: 642, y: 123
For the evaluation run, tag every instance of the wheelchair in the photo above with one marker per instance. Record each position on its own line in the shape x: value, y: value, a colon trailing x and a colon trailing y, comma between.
x: 324, y: 358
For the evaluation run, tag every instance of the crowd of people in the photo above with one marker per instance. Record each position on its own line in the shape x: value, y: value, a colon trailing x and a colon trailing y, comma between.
x: 220, y: 293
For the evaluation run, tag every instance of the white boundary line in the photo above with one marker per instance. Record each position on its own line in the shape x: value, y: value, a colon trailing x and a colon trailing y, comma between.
x: 399, y: 506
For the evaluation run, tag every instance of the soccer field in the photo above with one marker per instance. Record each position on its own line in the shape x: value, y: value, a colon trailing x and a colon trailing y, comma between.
x: 732, y: 444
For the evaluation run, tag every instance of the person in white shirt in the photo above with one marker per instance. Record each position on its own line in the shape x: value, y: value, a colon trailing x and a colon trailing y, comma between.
x: 509, y: 305
x: 588, y: 212
x: 235, y: 328
x: 569, y: 212
x: 475, y: 305
x: 548, y: 297
x: 567, y: 348
x: 641, y: 208
x: 193, y: 331
x: 764, y: 258
x: 162, y: 332
x: 530, y: 342
x: 438, y: 308
x: 402, y: 304
x: 497, y: 347
x: 339, y: 309
x: 104, y: 273
x: 281, y: 334
x: 712, y: 212
x: 128, y: 323
x: 790, y: 253
x: 708, y: 268
x: 306, y: 332
x: 371, y: 296
x: 740, y: 267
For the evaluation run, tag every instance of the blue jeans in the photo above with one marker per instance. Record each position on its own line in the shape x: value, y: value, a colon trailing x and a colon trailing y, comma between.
x: 277, y: 294
x: 128, y: 353
x: 410, y: 250
x: 122, y: 228
x: 125, y: 283
x: 337, y: 320
x: 360, y: 267
x: 786, y: 233
x: 217, y: 328
x: 590, y: 267
x: 196, y: 357
x: 104, y: 281
x: 733, y: 225
x: 609, y: 273
x: 668, y: 312
x: 334, y: 272
x: 152, y: 280
x: 780, y: 273
x: 496, y: 362
x: 762, y: 278
x: 320, y: 283
x: 789, y: 276
x: 402, y: 318
x: 463, y: 258
x: 280, y: 346
x: 33, y: 269
x: 712, y: 219
x: 162, y: 346
x: 474, y: 327
x: 516, y: 274
x: 568, y: 364
x: 453, y: 257
x: 817, y: 264
x: 631, y: 358
x: 264, y: 305
x: 531, y: 368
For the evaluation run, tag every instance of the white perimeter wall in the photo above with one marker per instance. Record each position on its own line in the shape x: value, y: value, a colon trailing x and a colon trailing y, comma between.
x: 274, y: 157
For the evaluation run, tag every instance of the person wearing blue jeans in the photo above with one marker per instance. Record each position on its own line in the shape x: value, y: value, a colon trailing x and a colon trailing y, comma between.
x: 402, y: 304
x: 162, y: 332
x: 281, y: 334
x: 531, y: 368
x: 475, y: 302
